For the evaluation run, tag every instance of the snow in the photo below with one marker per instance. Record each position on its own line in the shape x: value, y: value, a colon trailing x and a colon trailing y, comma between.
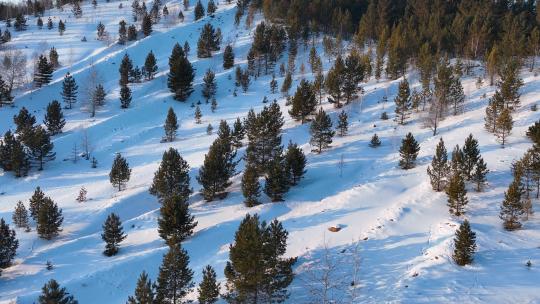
x: 402, y: 229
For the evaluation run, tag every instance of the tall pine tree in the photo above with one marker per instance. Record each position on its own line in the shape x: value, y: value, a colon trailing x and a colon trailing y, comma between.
x: 113, y: 234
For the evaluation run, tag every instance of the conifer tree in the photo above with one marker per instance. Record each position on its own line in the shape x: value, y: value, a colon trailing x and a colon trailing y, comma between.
x: 343, y: 124
x: 512, y: 207
x: 375, y: 141
x: 144, y: 291
x: 493, y: 111
x: 49, y: 219
x: 50, y: 24
x: 509, y: 84
x: 321, y: 131
x: 53, y: 57
x: 213, y: 105
x: 125, y: 97
x: 228, y: 57
x: 273, y: 84
x: 479, y: 174
x: 54, y: 118
x: 172, y: 177
x: 181, y: 74
x: 408, y: 152
x: 126, y: 69
x: 208, y: 42
x: 464, y: 244
x: 208, y: 289
x: 171, y: 125
x: 238, y: 133
x: 41, y: 147
x: 504, y: 126
x: 199, y: 10
x: 457, y: 195
x: 257, y: 270
x: 69, y: 90
x: 438, y: 172
x: 198, y: 115
x: 456, y: 95
x: 9, y: 245
x: 457, y: 163
x: 175, y: 280
x: 39, y: 23
x: 217, y: 169
x: 471, y: 155
x: 146, y: 26
x: 303, y: 101
x: 403, y: 102
x: 81, y: 198
x: 211, y: 8
x: 20, y: 216
x: 25, y: 124
x: 209, y: 85
x: 175, y: 223
x: 18, y: 160
x: 43, y: 74
x: 132, y: 33
x: 113, y: 234
x: 150, y: 66
x: 334, y: 81
x: 286, y: 85
x: 52, y: 293
x: 278, y: 180
x: 122, y: 32
x: 251, y: 188
x: 295, y: 163
x: 61, y: 27
x: 36, y: 201
x: 120, y: 172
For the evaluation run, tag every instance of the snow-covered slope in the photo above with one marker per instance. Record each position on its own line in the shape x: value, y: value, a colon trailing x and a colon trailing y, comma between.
x: 393, y: 224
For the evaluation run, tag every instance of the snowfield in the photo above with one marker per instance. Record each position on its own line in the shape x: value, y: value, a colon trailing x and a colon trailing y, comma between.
x: 396, y: 236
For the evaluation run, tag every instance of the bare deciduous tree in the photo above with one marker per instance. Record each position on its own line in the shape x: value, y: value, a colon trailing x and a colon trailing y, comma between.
x: 13, y: 69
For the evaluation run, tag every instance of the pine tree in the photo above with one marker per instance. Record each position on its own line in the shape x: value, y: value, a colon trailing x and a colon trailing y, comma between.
x: 217, y: 169
x: 171, y: 125
x: 457, y: 195
x: 181, y: 74
x: 41, y: 147
x: 343, y: 124
x: 175, y: 279
x: 257, y: 271
x: 438, y: 172
x: 53, y: 57
x: 39, y: 23
x: 120, y: 172
x: 457, y: 162
x: 479, y: 174
x: 132, y: 33
x: 199, y: 10
x: 208, y: 289
x: 52, y: 293
x: 125, y: 97
x: 408, y: 152
x: 150, y: 66
x: 295, y: 163
x: 471, y: 155
x: 303, y: 101
x: 209, y: 85
x: 36, y: 201
x: 213, y: 105
x: 61, y: 27
x: 211, y: 8
x: 49, y: 219
x: 286, y: 85
x: 144, y: 291
x: 375, y: 141
x: 208, y: 42
x: 238, y: 133
x: 9, y: 245
x: 146, y: 26
x: 321, y: 131
x: 175, y: 223
x: 512, y: 207
x: 113, y: 234
x: 464, y: 244
x: 510, y: 84
x: 50, y: 24
x: 54, y: 118
x: 81, y: 198
x: 456, y: 95
x: 403, y: 102
x: 198, y: 115
x: 20, y: 23
x: 273, y: 84
x: 126, y: 68
x: 100, y: 31
x: 20, y: 216
x: 504, y: 126
x: 278, y: 180
x: 25, y: 124
x: 19, y: 160
x: 533, y: 133
x: 122, y: 32
x: 251, y: 188
x: 44, y: 72
x: 69, y: 90
x: 172, y: 177
x: 228, y: 57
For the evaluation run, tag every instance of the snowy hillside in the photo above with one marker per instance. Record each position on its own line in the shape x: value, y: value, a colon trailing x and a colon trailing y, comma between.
x: 396, y: 236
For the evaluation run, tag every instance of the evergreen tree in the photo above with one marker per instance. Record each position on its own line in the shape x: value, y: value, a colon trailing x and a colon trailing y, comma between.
x: 36, y: 201
x: 303, y: 101
x: 334, y: 82
x: 211, y: 8
x: 213, y: 105
x: 457, y: 163
x: 113, y: 234
x: 181, y: 74
x: 273, y: 84
x: 171, y: 125
x: 44, y: 70
x: 438, y: 172
x: 120, y: 172
x: 175, y: 223
x: 20, y: 216
x: 126, y: 69
x: 198, y: 115
x: 408, y: 152
x: 479, y: 174
x: 457, y: 195
x: 238, y: 133
x: 456, y: 95
x: 199, y: 10
x: 251, y: 188
x: 122, y: 32
x: 61, y: 27
x: 493, y: 111
x: 25, y: 124
x: 228, y: 57
x: 175, y: 279
x: 52, y: 293
x: 510, y: 84
x: 144, y: 291
x: 125, y: 97
x: 132, y: 33
x: 512, y: 207
x: 533, y: 133
x: 343, y: 124
x: 150, y: 66
x: 464, y: 244
x: 172, y: 177
x: 69, y: 90
x: 504, y: 126
x: 208, y: 42
x: 286, y: 85
x: 53, y: 57
x: 8, y: 245
x: 54, y: 118
x: 403, y: 102
x: 101, y: 31
x: 39, y: 23
x: 375, y: 141
x: 321, y: 131
x: 19, y: 160
x: 217, y: 169
x: 295, y: 163
x: 146, y: 26
x: 49, y: 219
x: 209, y: 85
x: 471, y: 155
x: 257, y: 271
x: 278, y: 180
x: 20, y: 23
x: 41, y: 147
x: 208, y: 289
x: 50, y: 24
